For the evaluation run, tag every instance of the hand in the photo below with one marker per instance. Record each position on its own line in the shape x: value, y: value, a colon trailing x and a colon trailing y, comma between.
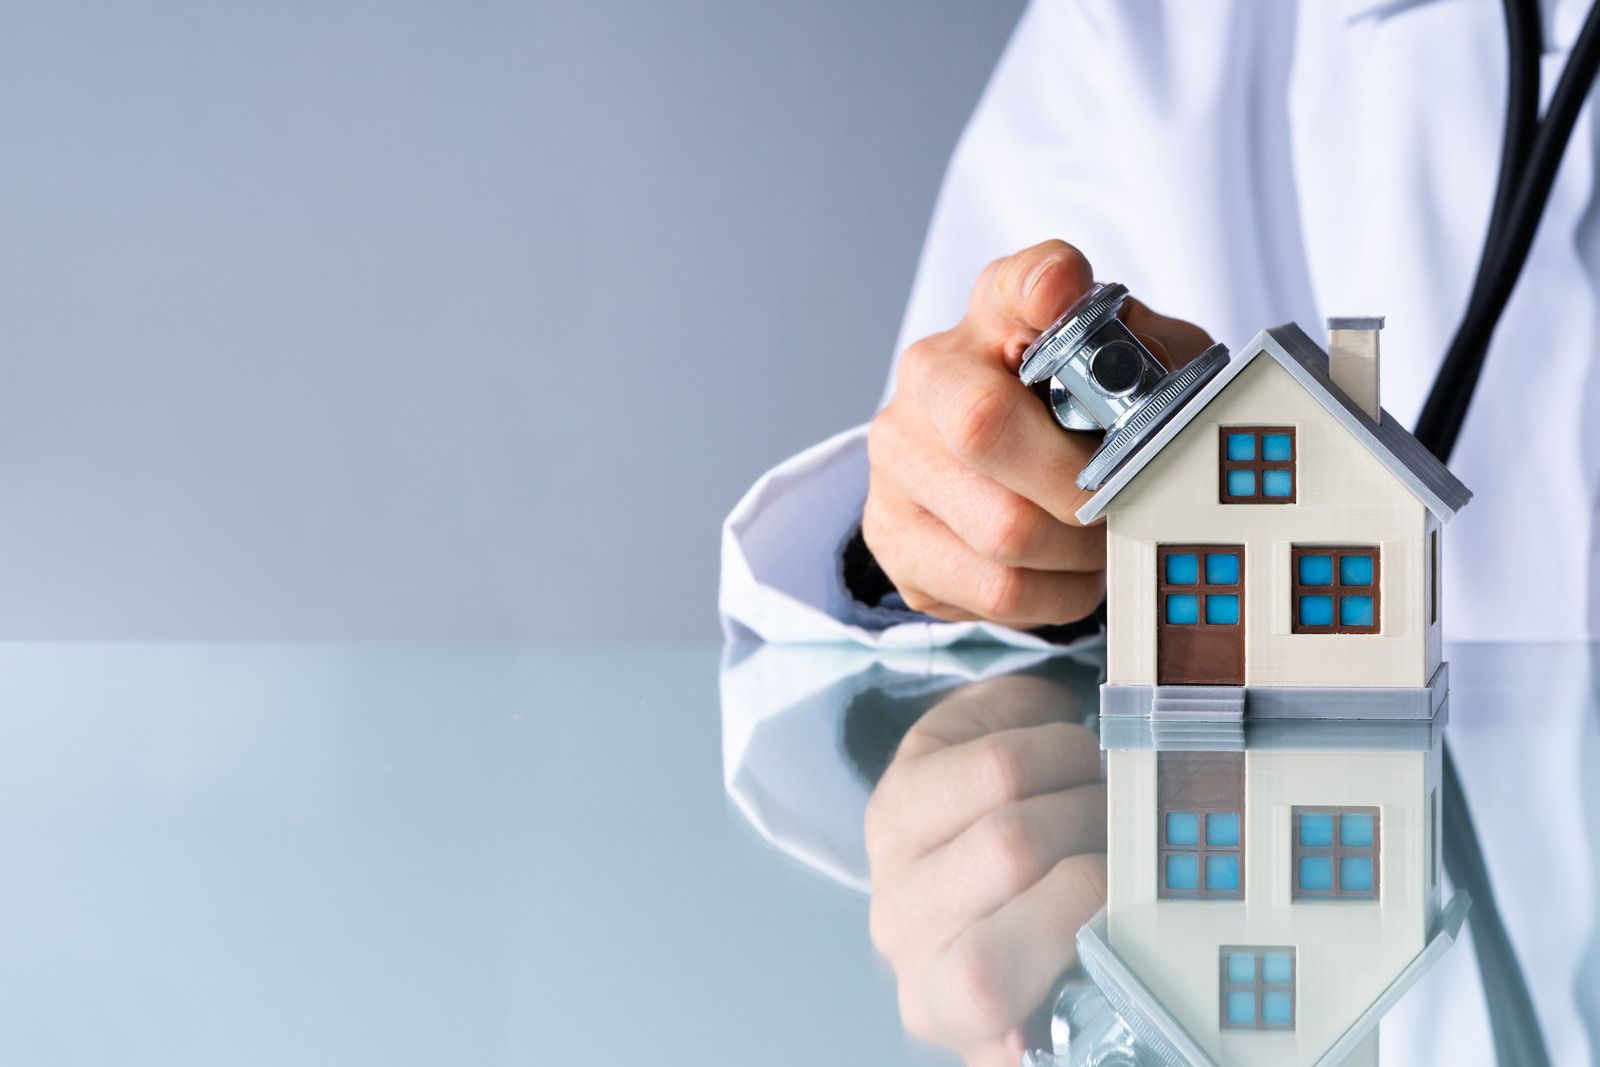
x: 986, y: 837
x: 972, y: 496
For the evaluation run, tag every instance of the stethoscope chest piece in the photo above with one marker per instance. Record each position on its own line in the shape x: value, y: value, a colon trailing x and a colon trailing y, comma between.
x: 1096, y: 375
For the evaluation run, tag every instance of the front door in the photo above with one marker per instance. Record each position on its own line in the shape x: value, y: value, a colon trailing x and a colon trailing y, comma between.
x: 1200, y: 615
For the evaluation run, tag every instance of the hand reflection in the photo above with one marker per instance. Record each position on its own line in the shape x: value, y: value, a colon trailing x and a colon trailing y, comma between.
x: 986, y: 838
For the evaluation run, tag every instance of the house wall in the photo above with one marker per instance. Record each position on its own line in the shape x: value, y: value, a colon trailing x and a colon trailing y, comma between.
x: 1344, y: 495
x: 1347, y: 952
x: 1432, y: 529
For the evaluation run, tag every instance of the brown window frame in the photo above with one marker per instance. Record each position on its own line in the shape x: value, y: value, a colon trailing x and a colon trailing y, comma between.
x: 1257, y: 988
x: 1259, y: 465
x: 1337, y: 852
x: 1199, y: 783
x: 1334, y: 588
x: 1200, y: 589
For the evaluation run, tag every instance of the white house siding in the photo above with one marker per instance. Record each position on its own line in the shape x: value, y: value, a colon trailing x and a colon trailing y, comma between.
x: 1347, y: 953
x: 1344, y: 495
x: 1431, y: 572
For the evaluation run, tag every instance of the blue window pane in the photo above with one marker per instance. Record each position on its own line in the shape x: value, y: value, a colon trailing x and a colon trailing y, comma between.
x: 1355, y: 570
x: 1183, y: 608
x: 1355, y: 831
x: 1183, y: 872
x: 1241, y: 483
x: 1222, y: 568
x: 1241, y: 1007
x: 1241, y: 967
x: 1355, y: 611
x: 1222, y: 829
x: 1183, y: 568
x: 1316, y: 611
x: 1222, y: 608
x: 1183, y: 828
x: 1275, y: 447
x: 1277, y: 483
x: 1316, y: 569
x: 1316, y: 831
x: 1316, y: 873
x: 1241, y: 446
x: 1274, y: 966
x: 1355, y: 874
x: 1222, y: 872
x: 1275, y: 1008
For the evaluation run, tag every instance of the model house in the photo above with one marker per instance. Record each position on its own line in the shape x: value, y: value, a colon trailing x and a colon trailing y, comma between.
x: 1278, y: 541
x: 1272, y: 717
x: 1268, y: 902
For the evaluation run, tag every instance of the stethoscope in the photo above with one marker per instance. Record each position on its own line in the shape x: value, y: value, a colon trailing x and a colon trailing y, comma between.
x: 1096, y: 375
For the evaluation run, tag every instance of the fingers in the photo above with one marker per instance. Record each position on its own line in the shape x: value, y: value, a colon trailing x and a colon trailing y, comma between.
x: 923, y: 803
x: 1002, y: 967
x: 1174, y: 341
x: 991, y: 423
x: 995, y: 522
x: 990, y: 863
x: 1027, y: 291
x: 931, y: 566
x: 982, y: 709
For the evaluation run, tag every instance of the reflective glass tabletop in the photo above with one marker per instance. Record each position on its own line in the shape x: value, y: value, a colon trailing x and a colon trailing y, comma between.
x: 518, y: 854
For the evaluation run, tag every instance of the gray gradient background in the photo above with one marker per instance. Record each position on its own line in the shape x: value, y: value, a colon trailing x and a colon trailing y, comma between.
x: 441, y: 319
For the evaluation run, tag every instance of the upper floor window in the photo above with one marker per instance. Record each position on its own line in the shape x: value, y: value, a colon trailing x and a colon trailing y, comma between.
x: 1200, y: 839
x: 1257, y: 464
x: 1257, y: 986
x: 1335, y: 854
x: 1335, y: 589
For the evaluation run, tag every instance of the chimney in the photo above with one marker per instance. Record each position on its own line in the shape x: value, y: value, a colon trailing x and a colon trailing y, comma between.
x: 1353, y: 360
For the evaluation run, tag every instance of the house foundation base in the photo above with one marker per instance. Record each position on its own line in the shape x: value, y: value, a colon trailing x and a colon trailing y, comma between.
x: 1279, y: 702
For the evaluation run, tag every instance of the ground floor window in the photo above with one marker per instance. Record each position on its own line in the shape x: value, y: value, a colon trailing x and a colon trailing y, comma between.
x: 1335, y: 853
x: 1335, y: 589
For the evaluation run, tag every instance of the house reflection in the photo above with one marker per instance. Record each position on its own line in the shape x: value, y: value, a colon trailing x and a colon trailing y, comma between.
x: 1274, y: 885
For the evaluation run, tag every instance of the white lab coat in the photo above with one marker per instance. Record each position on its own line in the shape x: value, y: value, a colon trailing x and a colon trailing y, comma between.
x: 1240, y: 165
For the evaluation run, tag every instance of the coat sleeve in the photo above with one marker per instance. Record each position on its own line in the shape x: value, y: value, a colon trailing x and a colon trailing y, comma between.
x: 782, y: 576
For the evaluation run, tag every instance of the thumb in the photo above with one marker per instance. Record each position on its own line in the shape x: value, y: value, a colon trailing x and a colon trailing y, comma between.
x: 1018, y: 296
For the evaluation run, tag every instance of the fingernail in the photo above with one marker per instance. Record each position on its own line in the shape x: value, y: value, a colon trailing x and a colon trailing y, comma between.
x: 1038, y: 274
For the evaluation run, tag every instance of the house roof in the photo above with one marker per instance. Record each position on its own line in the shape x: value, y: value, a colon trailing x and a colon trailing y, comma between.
x: 1429, y: 480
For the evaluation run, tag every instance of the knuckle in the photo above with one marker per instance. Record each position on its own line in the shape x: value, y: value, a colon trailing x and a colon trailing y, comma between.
x: 981, y: 980
x: 1009, y: 851
x: 1013, y: 529
x: 880, y: 927
x: 1001, y: 593
x: 880, y: 437
x: 878, y: 531
x: 872, y: 519
x: 989, y: 277
x: 982, y: 418
x: 916, y: 359
x: 914, y: 1015
x: 873, y: 827
x: 1001, y: 773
